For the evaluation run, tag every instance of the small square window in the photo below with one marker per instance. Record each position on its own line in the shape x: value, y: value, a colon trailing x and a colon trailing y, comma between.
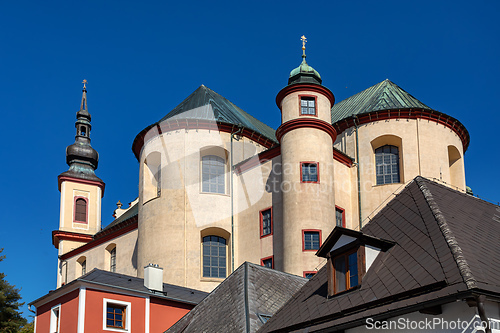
x: 309, y: 275
x: 311, y: 240
x: 267, y: 262
x: 309, y: 172
x: 308, y: 106
x: 116, y: 315
x: 266, y: 222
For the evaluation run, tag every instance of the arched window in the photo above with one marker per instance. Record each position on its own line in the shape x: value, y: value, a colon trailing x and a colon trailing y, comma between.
x: 81, y: 267
x: 214, y: 257
x: 387, y: 164
x: 213, y: 174
x: 81, y: 210
x: 110, y: 257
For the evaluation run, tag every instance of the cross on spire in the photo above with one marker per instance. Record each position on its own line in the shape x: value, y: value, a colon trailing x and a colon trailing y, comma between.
x: 304, y: 41
x: 84, y: 84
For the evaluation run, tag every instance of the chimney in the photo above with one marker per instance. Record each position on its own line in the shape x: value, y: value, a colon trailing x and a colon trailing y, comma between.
x: 153, y: 277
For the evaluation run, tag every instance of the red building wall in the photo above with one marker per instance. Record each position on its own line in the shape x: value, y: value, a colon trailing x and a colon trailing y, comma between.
x: 165, y: 313
x: 68, y: 313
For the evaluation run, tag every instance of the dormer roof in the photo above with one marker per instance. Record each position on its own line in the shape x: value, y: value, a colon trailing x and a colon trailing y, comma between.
x: 361, y: 237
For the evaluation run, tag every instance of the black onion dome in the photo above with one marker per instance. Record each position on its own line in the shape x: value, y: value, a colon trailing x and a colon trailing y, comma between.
x: 82, y: 153
x: 80, y: 156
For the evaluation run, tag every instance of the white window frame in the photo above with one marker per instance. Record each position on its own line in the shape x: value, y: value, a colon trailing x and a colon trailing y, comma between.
x: 128, y: 315
x: 55, y: 321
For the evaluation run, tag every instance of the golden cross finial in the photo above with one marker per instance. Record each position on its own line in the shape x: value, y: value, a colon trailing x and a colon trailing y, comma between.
x: 84, y: 83
x: 304, y: 41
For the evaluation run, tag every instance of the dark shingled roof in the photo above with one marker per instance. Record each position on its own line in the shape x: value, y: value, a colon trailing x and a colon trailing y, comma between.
x: 446, y: 247
x: 235, y: 305
x: 206, y: 104
x: 132, y: 283
x: 385, y: 95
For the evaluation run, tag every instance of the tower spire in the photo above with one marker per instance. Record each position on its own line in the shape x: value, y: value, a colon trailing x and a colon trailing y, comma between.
x: 80, y: 156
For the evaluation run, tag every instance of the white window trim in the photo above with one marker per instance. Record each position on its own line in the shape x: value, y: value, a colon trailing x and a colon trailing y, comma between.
x: 128, y: 315
x: 53, y: 323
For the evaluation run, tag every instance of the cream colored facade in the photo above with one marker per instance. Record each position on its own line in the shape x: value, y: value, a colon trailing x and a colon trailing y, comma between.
x: 174, y: 212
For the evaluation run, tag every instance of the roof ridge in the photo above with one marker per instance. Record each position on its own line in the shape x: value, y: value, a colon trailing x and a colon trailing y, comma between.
x: 453, y: 245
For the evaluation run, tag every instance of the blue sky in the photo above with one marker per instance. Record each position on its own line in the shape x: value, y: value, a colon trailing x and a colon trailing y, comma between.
x: 141, y: 59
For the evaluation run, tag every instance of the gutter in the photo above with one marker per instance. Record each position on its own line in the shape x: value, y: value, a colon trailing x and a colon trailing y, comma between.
x: 482, y: 312
x: 359, y: 172
x: 240, y: 129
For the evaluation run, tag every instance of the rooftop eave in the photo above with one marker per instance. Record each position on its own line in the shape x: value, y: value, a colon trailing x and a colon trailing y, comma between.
x: 410, y: 113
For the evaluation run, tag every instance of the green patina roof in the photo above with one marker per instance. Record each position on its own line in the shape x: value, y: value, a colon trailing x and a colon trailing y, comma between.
x: 385, y: 95
x: 304, y: 68
x: 206, y: 104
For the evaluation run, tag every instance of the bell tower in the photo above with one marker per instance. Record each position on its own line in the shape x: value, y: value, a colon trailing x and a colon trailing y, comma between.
x: 81, y: 190
x: 306, y: 137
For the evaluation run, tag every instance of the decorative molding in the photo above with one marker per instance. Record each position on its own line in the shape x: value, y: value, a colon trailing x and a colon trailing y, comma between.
x: 187, y: 124
x: 61, y: 179
x: 306, y: 123
x: 429, y: 115
x: 58, y: 235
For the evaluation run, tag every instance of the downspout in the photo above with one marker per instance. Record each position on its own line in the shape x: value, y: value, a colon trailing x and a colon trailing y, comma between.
x: 240, y: 129
x: 359, y: 180
x: 482, y: 312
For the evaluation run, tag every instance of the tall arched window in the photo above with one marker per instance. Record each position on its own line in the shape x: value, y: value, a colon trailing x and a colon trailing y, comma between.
x: 387, y: 164
x: 213, y: 174
x: 81, y: 210
x: 214, y: 257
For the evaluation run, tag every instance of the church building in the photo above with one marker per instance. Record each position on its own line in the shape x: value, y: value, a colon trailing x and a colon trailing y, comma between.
x: 217, y: 187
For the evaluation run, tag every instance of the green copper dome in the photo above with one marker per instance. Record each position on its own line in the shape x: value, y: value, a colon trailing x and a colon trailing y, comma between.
x: 304, y: 74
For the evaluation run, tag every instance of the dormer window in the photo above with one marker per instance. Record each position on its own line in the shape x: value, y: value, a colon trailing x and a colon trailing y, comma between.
x: 349, y: 255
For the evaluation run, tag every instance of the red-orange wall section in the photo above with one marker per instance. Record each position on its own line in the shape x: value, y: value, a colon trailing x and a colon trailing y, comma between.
x: 165, y: 313
x: 68, y: 313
